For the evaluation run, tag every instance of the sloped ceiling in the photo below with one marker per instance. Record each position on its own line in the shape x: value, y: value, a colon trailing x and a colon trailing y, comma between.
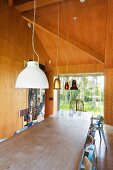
x: 67, y: 53
x: 81, y: 40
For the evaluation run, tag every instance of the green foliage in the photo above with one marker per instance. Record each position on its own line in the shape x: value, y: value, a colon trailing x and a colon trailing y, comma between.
x: 98, y: 110
x: 64, y: 106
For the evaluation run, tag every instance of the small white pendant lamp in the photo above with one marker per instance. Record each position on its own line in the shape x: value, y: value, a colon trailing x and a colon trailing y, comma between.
x: 56, y: 85
x: 32, y: 76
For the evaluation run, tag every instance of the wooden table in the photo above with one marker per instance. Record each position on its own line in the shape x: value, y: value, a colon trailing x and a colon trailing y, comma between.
x: 54, y: 144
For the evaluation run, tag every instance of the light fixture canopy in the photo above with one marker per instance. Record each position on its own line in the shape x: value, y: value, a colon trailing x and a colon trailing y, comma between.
x: 56, y: 85
x: 32, y: 77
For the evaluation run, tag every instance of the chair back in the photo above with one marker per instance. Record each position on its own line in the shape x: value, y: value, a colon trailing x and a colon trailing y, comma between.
x: 77, y: 105
x: 100, y: 121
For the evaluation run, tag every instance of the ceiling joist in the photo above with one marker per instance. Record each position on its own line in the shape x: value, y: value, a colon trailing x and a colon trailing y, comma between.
x: 30, y: 5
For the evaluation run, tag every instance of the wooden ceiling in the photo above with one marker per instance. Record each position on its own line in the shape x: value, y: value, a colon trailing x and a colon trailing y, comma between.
x: 82, y: 29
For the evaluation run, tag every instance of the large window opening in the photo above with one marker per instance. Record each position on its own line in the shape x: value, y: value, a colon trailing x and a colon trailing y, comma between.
x: 90, y: 91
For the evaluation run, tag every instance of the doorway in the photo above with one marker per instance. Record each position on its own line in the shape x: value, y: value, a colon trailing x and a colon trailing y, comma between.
x: 90, y: 91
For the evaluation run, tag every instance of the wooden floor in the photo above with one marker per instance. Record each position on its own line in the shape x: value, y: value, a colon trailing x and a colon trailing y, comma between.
x: 105, y: 157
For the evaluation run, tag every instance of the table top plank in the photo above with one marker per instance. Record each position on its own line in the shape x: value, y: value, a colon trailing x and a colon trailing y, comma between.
x: 54, y: 144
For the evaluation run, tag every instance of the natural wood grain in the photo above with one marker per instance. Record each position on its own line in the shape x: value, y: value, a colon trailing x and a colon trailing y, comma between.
x: 53, y: 39
x: 108, y: 96
x: 79, y: 69
x: 10, y: 2
x: 56, y: 143
x: 88, y: 30
x: 13, y: 51
x: 30, y: 5
x: 109, y: 36
x: 43, y: 55
x: 49, y: 94
x: 11, y: 99
x: 43, y: 33
x: 15, y: 47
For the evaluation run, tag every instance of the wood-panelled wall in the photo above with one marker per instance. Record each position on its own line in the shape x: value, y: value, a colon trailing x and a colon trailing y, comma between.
x: 11, y: 99
x: 109, y: 36
x: 108, y: 72
x: 49, y: 96
x: 108, y: 96
x: 15, y: 47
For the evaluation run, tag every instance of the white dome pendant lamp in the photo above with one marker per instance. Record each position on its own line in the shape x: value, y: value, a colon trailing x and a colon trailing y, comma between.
x: 32, y: 76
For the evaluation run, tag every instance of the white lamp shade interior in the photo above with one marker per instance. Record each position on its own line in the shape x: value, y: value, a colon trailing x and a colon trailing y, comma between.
x: 32, y: 77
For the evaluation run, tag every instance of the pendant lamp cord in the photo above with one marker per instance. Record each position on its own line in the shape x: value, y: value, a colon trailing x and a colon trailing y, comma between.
x: 33, y: 32
x: 58, y: 39
x: 74, y: 43
x: 66, y: 21
x: 67, y: 57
